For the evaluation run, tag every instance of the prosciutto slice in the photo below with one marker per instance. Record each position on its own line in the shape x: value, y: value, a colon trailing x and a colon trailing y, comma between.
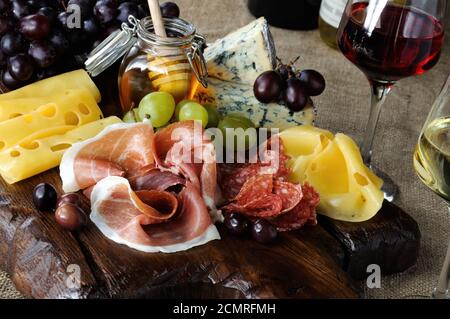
x: 121, y: 218
x: 150, y: 191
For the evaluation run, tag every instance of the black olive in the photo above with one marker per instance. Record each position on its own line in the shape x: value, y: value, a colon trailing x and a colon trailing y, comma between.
x: 72, y: 198
x: 236, y: 224
x: 70, y: 216
x: 263, y: 231
x: 44, y: 197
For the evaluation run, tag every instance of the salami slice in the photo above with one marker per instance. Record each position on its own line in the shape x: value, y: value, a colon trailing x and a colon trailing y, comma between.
x: 254, y: 188
x: 232, y: 179
x: 302, y: 214
x: 263, y: 207
x: 290, y: 194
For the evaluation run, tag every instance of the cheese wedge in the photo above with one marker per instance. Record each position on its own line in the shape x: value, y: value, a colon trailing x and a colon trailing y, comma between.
x: 10, y: 109
x: 71, y: 107
x: 43, y: 150
x: 78, y: 79
x: 349, y: 191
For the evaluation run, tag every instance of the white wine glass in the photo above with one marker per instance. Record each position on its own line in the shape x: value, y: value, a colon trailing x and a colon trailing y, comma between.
x: 432, y: 164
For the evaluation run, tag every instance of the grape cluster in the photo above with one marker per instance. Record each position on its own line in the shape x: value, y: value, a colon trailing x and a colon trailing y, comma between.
x: 285, y: 84
x: 43, y: 38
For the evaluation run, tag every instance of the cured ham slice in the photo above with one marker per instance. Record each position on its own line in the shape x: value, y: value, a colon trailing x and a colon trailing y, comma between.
x: 118, y: 149
x: 142, y: 222
x: 148, y: 191
x: 183, y: 148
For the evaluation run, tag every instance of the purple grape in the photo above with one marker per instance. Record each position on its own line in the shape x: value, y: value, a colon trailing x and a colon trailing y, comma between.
x: 37, y: 4
x: 170, y: 10
x: 105, y: 11
x: 236, y: 224
x: 21, y: 67
x: 6, y: 25
x: 20, y: 9
x: 143, y: 11
x: 91, y: 26
x: 4, y: 5
x: 9, y: 81
x: 263, y: 231
x: 48, y: 12
x: 268, y: 87
x: 43, y: 53
x: 34, y: 27
x: 313, y: 81
x: 59, y: 41
x: 126, y: 9
x: 62, y: 19
x: 2, y: 58
x: 295, y: 95
x: 47, y: 72
x: 12, y: 43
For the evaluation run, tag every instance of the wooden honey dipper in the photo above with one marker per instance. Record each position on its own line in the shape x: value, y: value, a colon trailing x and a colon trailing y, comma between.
x: 169, y: 72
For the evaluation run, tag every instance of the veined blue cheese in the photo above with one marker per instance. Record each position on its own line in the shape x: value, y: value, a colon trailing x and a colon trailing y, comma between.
x: 242, y: 55
x: 234, y: 98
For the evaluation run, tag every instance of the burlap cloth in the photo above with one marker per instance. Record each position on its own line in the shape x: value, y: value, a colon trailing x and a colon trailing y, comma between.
x: 344, y: 107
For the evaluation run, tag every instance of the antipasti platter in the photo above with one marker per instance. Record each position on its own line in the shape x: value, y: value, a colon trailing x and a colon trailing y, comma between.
x: 167, y: 166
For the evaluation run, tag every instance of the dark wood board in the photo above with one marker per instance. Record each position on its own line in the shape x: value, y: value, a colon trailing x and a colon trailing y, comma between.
x: 314, y: 262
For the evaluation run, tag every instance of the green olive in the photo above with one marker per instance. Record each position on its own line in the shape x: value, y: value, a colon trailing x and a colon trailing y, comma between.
x: 238, y: 126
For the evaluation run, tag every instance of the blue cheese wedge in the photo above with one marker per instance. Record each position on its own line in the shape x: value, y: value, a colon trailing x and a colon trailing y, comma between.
x: 243, y: 55
x: 234, y: 98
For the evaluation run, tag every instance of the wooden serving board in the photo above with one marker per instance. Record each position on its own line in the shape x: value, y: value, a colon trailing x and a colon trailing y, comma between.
x: 314, y: 262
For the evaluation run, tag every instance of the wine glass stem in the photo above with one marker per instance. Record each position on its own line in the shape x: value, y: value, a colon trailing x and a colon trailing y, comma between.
x: 441, y: 291
x: 379, y: 93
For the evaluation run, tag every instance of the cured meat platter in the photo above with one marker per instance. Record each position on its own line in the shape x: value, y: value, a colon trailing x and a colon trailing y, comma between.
x: 137, y: 190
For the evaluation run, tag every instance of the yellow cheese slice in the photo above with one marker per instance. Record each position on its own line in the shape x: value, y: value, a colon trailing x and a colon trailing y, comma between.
x: 78, y: 79
x: 44, y: 150
x: 371, y: 195
x: 333, y: 165
x: 10, y: 109
x: 72, y: 107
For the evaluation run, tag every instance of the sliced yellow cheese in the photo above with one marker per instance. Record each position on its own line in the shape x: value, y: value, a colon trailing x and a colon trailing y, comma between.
x: 333, y: 165
x: 71, y: 107
x: 10, y: 109
x: 44, y: 150
x: 78, y: 79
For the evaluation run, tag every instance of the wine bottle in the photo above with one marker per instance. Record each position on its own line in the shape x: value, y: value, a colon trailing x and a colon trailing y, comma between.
x: 288, y: 14
x: 330, y: 15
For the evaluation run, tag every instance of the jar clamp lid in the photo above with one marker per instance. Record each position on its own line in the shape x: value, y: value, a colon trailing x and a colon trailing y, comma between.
x: 118, y: 43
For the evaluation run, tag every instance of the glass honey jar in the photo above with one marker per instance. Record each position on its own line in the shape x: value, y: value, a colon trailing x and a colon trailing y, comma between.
x: 172, y: 64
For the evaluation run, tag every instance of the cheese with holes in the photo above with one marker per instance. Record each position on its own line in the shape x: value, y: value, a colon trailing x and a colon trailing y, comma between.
x: 13, y: 108
x: 242, y: 55
x: 44, y: 149
x: 71, y: 107
x: 349, y: 191
x: 233, y: 98
x: 78, y: 79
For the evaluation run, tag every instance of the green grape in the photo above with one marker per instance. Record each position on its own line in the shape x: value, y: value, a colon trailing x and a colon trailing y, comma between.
x: 158, y: 107
x: 234, y: 121
x: 129, y: 117
x: 194, y: 111
x: 136, y: 115
x: 179, y: 106
x: 213, y: 115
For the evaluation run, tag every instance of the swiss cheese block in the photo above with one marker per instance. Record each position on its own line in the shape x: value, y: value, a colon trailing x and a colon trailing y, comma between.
x: 43, y: 150
x: 242, y: 55
x: 233, y: 98
x: 69, y: 107
x: 78, y: 79
x: 333, y: 165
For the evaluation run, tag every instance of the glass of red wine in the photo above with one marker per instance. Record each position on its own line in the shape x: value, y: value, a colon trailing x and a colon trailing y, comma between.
x: 389, y: 40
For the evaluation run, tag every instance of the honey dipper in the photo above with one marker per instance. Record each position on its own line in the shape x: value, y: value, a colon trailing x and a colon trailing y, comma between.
x: 170, y: 71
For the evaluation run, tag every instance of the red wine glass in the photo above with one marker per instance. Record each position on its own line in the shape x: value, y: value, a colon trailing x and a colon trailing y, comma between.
x: 389, y: 40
